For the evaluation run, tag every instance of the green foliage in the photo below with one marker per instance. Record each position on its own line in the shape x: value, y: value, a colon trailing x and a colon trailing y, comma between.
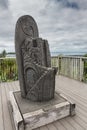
x: 8, y: 69
x: 85, y: 55
x: 3, y: 54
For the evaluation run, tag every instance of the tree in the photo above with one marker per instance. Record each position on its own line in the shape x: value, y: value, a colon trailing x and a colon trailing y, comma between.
x: 85, y: 55
x: 4, y: 53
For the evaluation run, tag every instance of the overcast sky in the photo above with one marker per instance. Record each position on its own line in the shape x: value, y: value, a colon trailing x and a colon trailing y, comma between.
x: 62, y: 22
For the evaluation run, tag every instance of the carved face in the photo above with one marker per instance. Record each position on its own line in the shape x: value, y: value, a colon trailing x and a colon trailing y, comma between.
x: 28, y: 30
x: 29, y: 26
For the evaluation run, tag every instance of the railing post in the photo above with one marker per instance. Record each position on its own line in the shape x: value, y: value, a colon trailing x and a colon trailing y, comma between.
x: 81, y: 69
x: 58, y: 64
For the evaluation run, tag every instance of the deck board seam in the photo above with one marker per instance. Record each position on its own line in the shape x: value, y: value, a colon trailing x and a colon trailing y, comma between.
x: 76, y: 95
x: 2, y: 107
x: 79, y: 102
x: 7, y: 104
x: 77, y: 105
x: 2, y: 110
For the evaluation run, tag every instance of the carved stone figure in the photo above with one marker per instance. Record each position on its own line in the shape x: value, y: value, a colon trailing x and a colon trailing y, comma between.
x: 36, y: 77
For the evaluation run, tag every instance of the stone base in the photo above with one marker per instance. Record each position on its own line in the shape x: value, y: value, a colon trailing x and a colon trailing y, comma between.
x: 28, y: 115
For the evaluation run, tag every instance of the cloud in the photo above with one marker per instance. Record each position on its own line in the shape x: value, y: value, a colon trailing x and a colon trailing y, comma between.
x: 6, y: 45
x: 4, y: 4
x: 62, y: 22
x: 68, y: 4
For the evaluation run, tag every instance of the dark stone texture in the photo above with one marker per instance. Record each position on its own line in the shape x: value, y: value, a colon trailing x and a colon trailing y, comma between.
x: 36, y: 77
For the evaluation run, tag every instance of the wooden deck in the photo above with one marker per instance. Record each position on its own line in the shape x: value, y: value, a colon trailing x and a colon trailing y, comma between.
x: 73, y: 90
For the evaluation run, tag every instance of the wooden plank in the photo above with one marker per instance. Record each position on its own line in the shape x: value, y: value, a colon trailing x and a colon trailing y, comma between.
x: 6, y: 116
x: 72, y: 68
x: 80, y: 121
x: 41, y: 117
x: 37, y: 129
x: 59, y: 126
x: 82, y: 116
x: 76, y: 91
x: 18, y: 120
x: 72, y: 92
x: 16, y: 86
x: 67, y: 125
x: 79, y: 101
x: 72, y: 85
x: 81, y: 69
x: 9, y: 105
x: 81, y: 112
x: 10, y: 86
x: 11, y: 116
x: 74, y: 123
x: 51, y: 126
x: 43, y: 128
x: 1, y: 112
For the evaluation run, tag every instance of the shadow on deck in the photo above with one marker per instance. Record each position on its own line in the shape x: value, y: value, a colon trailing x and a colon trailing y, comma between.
x: 74, y: 90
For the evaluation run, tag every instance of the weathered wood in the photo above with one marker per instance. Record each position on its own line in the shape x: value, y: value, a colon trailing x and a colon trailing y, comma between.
x: 59, y: 125
x: 18, y: 120
x: 70, y: 66
x: 72, y: 89
x: 1, y: 112
x: 50, y: 118
x: 39, y: 117
x: 6, y: 121
x: 67, y: 125
x: 7, y: 94
x: 81, y: 69
x: 43, y: 128
x: 51, y: 127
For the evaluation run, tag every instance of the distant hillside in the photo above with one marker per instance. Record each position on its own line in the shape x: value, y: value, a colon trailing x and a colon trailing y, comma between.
x: 11, y: 53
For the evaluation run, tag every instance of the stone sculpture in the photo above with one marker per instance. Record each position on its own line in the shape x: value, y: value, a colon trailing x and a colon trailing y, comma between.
x: 35, y: 105
x: 36, y: 77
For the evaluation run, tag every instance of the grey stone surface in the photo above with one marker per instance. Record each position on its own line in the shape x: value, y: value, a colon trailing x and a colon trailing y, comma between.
x: 27, y: 106
x: 37, y: 78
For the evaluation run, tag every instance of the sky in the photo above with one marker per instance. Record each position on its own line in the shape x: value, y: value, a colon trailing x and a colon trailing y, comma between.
x: 62, y: 22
